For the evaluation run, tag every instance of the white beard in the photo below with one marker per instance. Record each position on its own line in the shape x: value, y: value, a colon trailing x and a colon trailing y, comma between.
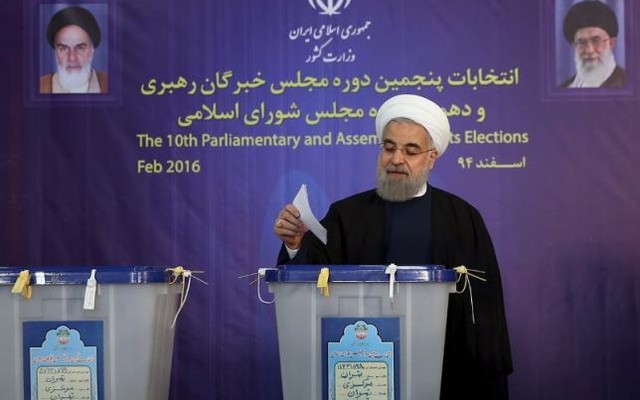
x: 75, y: 82
x: 397, y: 190
x: 594, y: 73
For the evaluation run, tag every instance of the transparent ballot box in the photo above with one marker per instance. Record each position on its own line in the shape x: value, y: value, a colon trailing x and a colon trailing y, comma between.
x: 86, y: 332
x: 361, y: 331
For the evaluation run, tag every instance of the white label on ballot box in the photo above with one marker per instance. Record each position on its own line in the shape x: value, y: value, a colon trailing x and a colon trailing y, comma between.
x: 361, y: 364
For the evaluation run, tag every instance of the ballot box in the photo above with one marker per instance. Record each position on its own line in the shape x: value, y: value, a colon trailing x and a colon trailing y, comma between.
x: 375, y: 332
x: 77, y: 337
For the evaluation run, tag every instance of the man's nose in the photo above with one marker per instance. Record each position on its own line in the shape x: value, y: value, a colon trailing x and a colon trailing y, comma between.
x: 589, y: 47
x: 398, y: 157
x: 73, y: 55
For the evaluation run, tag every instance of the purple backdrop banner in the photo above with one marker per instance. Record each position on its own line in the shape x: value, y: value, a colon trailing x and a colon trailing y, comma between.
x: 217, y: 112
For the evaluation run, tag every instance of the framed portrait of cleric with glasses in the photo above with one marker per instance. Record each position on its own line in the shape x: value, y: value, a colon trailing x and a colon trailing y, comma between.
x: 591, y: 39
x: 73, y: 47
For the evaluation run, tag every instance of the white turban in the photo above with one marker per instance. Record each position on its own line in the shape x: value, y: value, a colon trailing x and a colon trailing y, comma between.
x: 420, y: 110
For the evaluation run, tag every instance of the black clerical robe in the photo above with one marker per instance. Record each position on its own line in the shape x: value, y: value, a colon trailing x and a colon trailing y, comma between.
x: 477, y: 357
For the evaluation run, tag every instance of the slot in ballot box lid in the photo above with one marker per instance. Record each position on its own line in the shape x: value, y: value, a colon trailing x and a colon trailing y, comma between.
x: 77, y: 275
x: 360, y: 273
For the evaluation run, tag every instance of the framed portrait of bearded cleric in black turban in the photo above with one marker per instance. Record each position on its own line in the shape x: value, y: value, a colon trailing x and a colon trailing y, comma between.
x: 590, y: 44
x: 74, y: 43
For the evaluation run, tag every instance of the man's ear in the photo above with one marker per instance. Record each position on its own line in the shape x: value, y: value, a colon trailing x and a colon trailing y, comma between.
x: 613, y: 41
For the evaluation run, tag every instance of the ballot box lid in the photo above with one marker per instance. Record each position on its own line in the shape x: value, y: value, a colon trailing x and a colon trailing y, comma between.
x: 360, y: 273
x: 78, y: 275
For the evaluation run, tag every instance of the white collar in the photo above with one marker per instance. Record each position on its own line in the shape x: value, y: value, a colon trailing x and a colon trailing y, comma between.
x: 422, y: 191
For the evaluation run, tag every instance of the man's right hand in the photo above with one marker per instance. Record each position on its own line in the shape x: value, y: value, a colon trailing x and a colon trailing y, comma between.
x: 289, y: 228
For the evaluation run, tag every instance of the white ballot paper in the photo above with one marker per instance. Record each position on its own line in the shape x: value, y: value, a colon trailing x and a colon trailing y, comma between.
x: 301, y: 201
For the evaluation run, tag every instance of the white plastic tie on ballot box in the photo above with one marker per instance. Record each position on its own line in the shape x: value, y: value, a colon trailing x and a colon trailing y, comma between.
x: 391, y: 271
x: 90, y: 292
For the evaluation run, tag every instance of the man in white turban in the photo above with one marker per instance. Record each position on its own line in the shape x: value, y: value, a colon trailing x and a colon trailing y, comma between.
x: 403, y: 170
x: 407, y: 221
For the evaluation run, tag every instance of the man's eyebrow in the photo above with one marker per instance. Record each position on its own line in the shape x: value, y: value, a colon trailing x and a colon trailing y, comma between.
x: 410, y: 144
